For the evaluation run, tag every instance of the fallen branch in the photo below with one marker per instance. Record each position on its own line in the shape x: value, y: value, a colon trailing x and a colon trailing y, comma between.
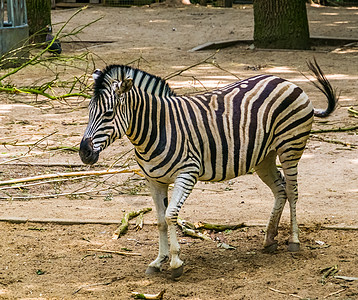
x: 36, y: 57
x: 178, y: 73
x: 187, y: 230
x: 353, y: 111
x: 333, y: 141
x: 115, y: 252
x: 327, y: 272
x: 72, y: 194
x: 139, y: 222
x: 70, y: 174
x: 32, y: 146
x: 111, y: 280
x: 64, y: 148
x: 209, y: 226
x: 158, y: 296
x: 346, y: 278
x: 76, y: 86
x: 20, y: 220
x: 337, y: 227
x: 33, y: 91
x: 339, y: 129
x: 218, y: 227
x: 6, y: 162
x: 334, y: 293
x: 277, y: 291
x: 20, y: 186
x: 123, y: 228
x: 285, y: 293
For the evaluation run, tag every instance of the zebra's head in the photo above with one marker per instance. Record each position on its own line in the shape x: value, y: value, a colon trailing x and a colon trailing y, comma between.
x: 107, y: 113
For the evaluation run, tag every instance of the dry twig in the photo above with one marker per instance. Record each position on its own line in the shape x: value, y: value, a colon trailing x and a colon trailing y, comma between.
x: 75, y: 87
x: 31, y: 147
x: 158, y: 296
x: 333, y: 141
x: 285, y: 293
x: 123, y: 228
x: 334, y: 293
x: 218, y: 227
x: 111, y: 280
x: 328, y: 272
x: 69, y: 174
x: 339, y: 129
x: 115, y: 252
x: 187, y: 230
x: 353, y: 112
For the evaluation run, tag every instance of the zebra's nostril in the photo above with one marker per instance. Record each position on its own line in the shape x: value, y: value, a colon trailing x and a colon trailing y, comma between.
x: 87, y: 154
x: 86, y: 146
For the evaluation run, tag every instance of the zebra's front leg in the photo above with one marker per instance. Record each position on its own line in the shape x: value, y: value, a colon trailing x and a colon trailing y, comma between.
x: 160, y: 196
x: 182, y: 188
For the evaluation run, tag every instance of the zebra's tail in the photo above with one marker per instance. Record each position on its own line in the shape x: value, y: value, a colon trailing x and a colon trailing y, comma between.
x: 325, y: 87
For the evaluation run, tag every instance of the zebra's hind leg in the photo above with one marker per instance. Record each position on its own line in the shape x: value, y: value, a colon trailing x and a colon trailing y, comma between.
x: 273, y: 178
x: 290, y: 172
x: 160, y: 196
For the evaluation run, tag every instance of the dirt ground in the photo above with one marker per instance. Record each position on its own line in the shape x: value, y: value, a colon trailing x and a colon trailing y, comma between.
x: 50, y: 260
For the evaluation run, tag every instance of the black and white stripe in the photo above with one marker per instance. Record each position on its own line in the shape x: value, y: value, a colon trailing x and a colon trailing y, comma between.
x: 210, y: 137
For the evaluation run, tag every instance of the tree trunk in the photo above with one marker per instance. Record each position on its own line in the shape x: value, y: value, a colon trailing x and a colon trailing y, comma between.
x: 38, y: 17
x: 281, y: 24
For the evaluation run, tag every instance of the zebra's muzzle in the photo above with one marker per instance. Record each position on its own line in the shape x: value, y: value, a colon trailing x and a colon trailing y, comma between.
x: 87, y: 154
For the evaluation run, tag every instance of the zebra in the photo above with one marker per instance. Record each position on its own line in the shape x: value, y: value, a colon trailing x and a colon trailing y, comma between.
x: 213, y: 136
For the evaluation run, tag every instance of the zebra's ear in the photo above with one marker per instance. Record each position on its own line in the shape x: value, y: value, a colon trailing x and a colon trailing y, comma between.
x: 96, y: 74
x: 124, y: 86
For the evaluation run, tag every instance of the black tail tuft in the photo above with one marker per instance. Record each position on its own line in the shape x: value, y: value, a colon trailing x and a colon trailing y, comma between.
x: 325, y: 87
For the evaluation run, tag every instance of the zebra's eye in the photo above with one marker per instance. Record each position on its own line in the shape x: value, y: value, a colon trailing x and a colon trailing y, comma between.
x: 108, y: 114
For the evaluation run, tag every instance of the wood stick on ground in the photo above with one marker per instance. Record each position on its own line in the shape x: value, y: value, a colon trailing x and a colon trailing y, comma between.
x: 277, y: 291
x: 6, y: 162
x: 328, y: 272
x: 353, y: 111
x: 332, y: 141
x: 209, y: 226
x: 334, y: 293
x: 20, y: 186
x: 31, y: 147
x: 285, y: 293
x: 111, y: 280
x: 69, y: 174
x: 123, y: 227
x: 71, y: 194
x: 218, y: 227
x: 187, y: 230
x: 139, y: 222
x: 115, y: 252
x: 339, y: 129
x: 149, y: 296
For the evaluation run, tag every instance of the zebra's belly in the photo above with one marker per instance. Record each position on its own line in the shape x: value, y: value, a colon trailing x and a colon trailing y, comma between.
x: 229, y: 168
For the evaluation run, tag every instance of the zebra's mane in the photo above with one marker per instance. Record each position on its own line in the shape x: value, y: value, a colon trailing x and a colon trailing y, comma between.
x: 149, y: 83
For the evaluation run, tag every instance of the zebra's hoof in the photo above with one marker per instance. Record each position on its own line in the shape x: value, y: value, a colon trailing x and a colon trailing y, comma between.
x: 271, y: 248
x: 293, y: 247
x: 177, y: 273
x: 152, y: 270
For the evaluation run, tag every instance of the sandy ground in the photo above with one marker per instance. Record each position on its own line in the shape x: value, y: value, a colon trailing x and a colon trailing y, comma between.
x: 52, y: 261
